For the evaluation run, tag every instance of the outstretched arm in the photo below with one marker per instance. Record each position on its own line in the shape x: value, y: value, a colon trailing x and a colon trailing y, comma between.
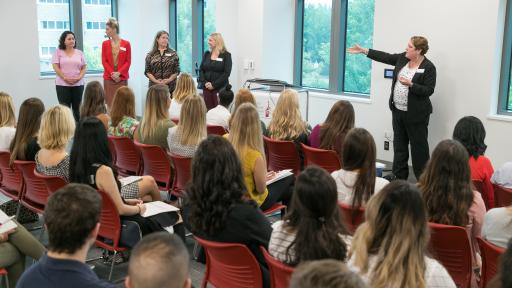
x: 376, y: 55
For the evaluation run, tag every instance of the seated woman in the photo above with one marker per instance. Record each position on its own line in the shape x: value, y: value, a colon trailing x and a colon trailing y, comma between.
x: 245, y: 136
x: 24, y: 144
x: 497, y: 227
x: 470, y: 132
x: 7, y: 121
x: 185, y: 87
x: 448, y: 193
x: 244, y: 95
x: 390, y: 248
x: 216, y: 208
x: 330, y: 134
x: 155, y: 124
x: 122, y: 114
x: 313, y: 228
x: 503, y: 175
x: 15, y: 245
x: 184, y: 138
x: 94, y: 103
x: 91, y: 164
x: 356, y: 181
x: 287, y: 123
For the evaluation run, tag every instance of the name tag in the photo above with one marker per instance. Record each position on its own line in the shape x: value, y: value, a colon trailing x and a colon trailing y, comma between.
x: 219, y: 59
x: 122, y: 48
x: 168, y: 54
x: 420, y: 71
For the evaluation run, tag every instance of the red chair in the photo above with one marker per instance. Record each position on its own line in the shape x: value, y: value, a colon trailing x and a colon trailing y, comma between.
x: 327, y: 159
x: 280, y: 273
x: 487, y: 196
x: 275, y: 208
x: 215, y: 130
x: 157, y: 165
x: 5, y: 278
x: 351, y: 221
x: 230, y: 265
x: 53, y: 183
x: 503, y: 196
x: 128, y: 156
x: 282, y: 155
x: 35, y: 193
x: 490, y: 260
x: 110, y: 229
x: 182, y: 174
x: 112, y: 149
x: 12, y: 180
x: 176, y: 121
x: 451, y: 246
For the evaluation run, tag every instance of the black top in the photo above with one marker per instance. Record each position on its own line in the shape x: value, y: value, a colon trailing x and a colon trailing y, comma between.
x: 31, y: 150
x: 418, y: 101
x: 215, y: 71
x: 51, y: 272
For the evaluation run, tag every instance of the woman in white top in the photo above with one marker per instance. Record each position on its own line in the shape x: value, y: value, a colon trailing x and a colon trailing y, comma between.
x: 7, y: 121
x: 497, y: 227
x: 184, y: 138
x: 185, y: 87
x: 389, y: 249
x: 357, y: 182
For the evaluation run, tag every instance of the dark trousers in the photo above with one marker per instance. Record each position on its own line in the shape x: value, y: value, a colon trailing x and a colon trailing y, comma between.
x: 413, y: 132
x: 71, y: 96
x: 210, y: 98
x: 279, y: 191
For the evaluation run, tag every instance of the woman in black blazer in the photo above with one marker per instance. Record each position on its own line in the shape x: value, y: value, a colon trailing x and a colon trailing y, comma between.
x: 414, y: 80
x: 214, y: 70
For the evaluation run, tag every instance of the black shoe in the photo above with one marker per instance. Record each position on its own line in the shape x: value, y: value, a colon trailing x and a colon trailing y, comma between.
x: 390, y: 177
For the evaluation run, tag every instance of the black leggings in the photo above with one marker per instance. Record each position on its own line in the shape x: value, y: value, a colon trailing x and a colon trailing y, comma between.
x: 279, y: 191
x: 71, y: 96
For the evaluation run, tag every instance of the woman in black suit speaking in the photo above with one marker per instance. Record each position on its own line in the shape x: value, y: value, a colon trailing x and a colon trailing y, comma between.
x: 414, y: 80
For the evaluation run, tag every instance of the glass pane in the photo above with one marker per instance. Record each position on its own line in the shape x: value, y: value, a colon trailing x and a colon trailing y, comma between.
x: 208, y: 20
x: 316, y: 45
x: 509, y: 98
x: 47, y: 16
x: 184, y: 37
x: 92, y: 18
x: 360, y: 31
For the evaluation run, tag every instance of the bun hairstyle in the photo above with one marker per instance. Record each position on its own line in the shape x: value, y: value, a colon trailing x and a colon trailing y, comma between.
x: 228, y: 87
x: 113, y: 24
x: 226, y: 96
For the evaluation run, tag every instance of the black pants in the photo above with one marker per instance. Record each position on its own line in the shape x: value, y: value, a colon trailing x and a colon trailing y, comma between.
x: 279, y: 191
x: 71, y: 96
x: 413, y: 132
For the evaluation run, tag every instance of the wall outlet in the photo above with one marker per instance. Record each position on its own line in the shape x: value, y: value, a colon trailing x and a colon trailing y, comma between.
x: 386, y: 145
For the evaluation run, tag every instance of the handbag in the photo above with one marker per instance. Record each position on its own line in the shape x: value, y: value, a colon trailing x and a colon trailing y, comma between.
x: 131, y: 233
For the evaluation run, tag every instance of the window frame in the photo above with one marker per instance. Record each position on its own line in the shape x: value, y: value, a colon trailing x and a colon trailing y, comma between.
x: 337, y: 49
x: 506, y: 65
x: 76, y: 25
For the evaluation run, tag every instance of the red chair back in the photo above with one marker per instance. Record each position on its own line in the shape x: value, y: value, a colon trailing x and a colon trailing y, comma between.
x: 215, y: 130
x: 230, y: 265
x: 157, y: 165
x: 503, y: 196
x: 128, y: 156
x: 110, y: 225
x: 352, y: 221
x: 481, y: 187
x: 12, y: 180
x: 280, y: 273
x: 53, y: 183
x: 35, y: 193
x: 182, y: 174
x: 112, y: 149
x: 282, y: 155
x: 327, y: 159
x: 490, y: 260
x: 451, y: 246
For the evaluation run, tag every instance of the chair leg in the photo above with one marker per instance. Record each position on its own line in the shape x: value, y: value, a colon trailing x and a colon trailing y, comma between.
x: 18, y: 211
x: 112, y: 266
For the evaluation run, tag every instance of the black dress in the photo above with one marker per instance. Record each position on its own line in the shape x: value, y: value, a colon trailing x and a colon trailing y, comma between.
x: 217, y: 73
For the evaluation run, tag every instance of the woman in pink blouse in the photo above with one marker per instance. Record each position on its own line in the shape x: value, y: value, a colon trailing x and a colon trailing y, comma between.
x: 69, y: 65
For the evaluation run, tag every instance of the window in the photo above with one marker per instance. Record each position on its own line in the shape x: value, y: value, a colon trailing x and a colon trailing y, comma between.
x: 505, y: 94
x: 208, y: 21
x: 88, y: 25
x: 327, y: 28
x: 184, y: 34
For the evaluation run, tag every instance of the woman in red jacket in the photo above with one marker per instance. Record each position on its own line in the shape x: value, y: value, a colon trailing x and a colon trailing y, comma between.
x: 116, y: 58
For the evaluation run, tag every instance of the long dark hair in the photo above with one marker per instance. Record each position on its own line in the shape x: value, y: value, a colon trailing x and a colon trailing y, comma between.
x: 90, y: 146
x: 62, y: 39
x: 470, y: 132
x: 315, y: 219
x: 359, y: 153
x: 94, y: 100
x: 155, y: 43
x: 446, y: 184
x: 217, y: 185
x: 339, y: 121
x: 29, y: 120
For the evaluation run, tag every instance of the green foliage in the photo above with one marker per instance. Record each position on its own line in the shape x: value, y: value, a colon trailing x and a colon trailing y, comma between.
x: 92, y: 58
x: 209, y: 20
x: 184, y: 37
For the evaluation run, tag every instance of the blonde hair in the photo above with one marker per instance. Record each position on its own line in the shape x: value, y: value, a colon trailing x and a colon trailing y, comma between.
x: 113, y: 24
x: 396, y: 234
x: 287, y: 123
x: 219, y: 42
x: 192, y: 126
x: 122, y: 105
x: 57, y: 127
x: 245, y: 131
x: 244, y: 95
x: 155, y: 111
x: 184, y: 87
x: 7, y: 116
